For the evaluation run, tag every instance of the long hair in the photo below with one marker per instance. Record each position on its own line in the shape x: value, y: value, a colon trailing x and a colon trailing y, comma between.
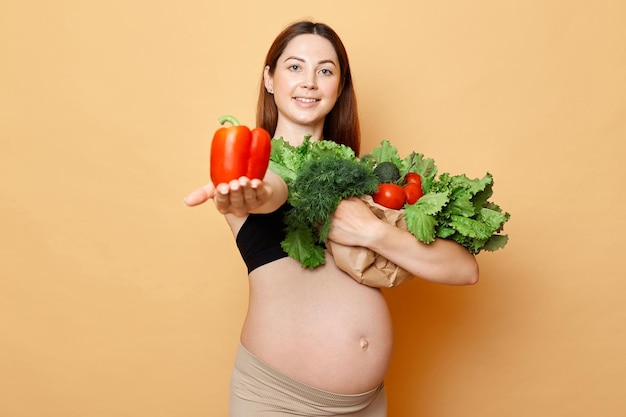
x: 342, y: 123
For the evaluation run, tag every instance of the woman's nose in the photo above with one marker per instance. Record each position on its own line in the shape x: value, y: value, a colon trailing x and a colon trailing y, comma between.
x: 309, y: 82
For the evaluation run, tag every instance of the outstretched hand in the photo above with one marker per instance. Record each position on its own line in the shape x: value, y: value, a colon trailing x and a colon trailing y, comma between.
x: 238, y: 197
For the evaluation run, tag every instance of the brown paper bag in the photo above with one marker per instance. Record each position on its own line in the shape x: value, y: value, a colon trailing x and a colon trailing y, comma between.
x: 366, y: 266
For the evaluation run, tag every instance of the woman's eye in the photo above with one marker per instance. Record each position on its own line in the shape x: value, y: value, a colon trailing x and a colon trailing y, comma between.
x: 294, y: 67
x: 326, y: 71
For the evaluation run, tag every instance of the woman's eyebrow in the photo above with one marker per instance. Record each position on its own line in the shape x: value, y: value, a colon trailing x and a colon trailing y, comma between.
x: 327, y: 61
x: 294, y: 57
x: 324, y: 61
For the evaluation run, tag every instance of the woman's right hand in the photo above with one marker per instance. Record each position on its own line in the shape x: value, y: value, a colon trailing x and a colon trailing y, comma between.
x: 238, y: 197
x: 243, y: 196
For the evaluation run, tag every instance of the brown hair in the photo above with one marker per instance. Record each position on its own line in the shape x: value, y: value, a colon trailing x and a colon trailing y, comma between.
x: 342, y: 123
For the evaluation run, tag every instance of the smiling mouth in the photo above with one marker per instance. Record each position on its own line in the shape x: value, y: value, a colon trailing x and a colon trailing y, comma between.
x: 305, y: 100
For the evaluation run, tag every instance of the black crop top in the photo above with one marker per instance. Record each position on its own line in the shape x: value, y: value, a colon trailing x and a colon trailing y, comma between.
x: 260, y: 236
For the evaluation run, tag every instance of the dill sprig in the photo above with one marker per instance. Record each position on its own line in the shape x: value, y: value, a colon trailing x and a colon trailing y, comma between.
x: 314, y: 195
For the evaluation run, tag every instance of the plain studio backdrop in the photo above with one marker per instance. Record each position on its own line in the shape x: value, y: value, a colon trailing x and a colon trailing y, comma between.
x: 116, y: 300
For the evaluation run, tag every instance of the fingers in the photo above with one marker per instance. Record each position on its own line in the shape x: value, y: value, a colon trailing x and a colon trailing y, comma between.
x: 200, y: 195
x: 228, y: 197
x: 262, y: 192
x: 238, y: 196
x: 353, y: 207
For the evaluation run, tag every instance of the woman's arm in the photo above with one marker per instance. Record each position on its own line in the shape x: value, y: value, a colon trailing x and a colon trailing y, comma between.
x: 443, y: 261
x: 243, y: 196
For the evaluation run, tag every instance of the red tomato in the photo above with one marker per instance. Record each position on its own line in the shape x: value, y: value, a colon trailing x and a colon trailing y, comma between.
x: 413, y: 192
x: 390, y: 195
x: 413, y: 177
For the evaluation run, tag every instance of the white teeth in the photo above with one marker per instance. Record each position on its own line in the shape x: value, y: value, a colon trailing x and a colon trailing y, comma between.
x: 306, y: 100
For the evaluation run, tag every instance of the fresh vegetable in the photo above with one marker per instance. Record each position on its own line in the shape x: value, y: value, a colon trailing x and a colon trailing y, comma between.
x: 319, y: 175
x: 236, y: 151
x: 395, y: 190
x: 387, y: 172
x: 413, y: 178
x: 413, y: 192
x: 452, y: 207
x: 414, y: 163
x: 286, y: 160
x: 390, y: 195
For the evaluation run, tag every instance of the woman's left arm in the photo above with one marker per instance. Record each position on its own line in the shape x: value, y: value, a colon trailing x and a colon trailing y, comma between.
x: 442, y: 261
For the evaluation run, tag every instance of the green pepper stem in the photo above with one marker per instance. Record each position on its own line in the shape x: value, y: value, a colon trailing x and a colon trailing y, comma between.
x: 230, y: 119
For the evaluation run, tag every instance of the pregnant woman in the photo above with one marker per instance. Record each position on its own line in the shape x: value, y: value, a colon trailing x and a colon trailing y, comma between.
x: 315, y: 342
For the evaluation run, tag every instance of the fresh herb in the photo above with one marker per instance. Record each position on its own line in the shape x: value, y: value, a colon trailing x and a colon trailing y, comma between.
x: 319, y: 175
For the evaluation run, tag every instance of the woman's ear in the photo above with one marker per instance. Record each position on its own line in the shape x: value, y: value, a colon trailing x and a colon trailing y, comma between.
x: 268, y: 81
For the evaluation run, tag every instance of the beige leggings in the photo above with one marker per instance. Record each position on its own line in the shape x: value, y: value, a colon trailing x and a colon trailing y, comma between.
x: 258, y: 390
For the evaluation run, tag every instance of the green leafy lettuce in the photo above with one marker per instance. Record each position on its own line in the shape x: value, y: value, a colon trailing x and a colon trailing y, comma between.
x: 452, y: 207
x: 286, y: 160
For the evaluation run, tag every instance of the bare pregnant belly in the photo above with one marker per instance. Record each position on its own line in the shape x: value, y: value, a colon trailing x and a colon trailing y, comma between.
x: 319, y: 327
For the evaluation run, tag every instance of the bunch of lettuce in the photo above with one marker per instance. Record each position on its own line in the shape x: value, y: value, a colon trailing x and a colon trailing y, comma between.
x: 319, y: 175
x: 452, y: 207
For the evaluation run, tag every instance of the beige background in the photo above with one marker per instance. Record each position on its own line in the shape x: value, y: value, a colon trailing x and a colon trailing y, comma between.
x: 118, y: 301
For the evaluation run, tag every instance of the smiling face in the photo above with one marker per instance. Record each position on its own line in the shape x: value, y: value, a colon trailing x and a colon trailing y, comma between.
x: 305, y: 84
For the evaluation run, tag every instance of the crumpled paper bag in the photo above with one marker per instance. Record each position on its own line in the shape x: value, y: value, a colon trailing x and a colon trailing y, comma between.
x: 366, y: 266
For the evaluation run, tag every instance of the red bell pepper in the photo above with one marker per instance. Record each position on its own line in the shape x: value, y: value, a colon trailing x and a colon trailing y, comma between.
x: 237, y: 151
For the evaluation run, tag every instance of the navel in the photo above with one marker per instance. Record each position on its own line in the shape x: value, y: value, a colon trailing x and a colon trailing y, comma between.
x: 364, y: 344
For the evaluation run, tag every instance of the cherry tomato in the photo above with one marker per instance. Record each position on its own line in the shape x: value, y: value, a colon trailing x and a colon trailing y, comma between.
x: 390, y: 195
x: 413, y: 177
x: 413, y: 192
